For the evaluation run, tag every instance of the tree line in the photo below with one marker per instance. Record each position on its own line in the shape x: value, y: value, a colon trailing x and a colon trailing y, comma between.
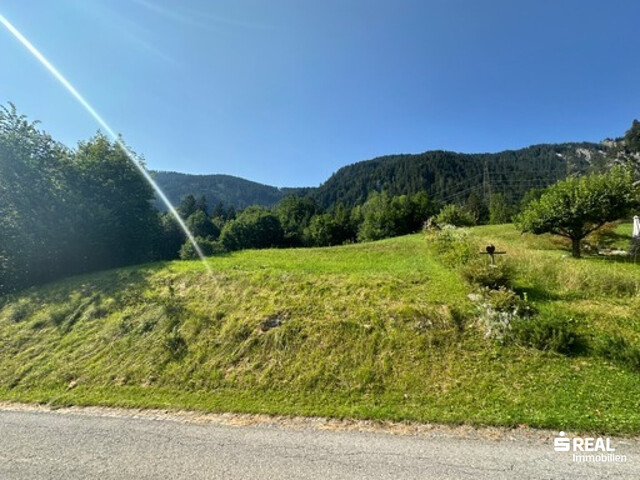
x: 65, y: 211
x: 296, y: 222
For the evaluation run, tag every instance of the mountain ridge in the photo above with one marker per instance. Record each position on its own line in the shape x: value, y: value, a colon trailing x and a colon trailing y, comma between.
x: 445, y: 175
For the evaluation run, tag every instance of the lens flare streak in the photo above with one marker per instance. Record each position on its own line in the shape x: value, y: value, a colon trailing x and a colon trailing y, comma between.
x: 87, y: 106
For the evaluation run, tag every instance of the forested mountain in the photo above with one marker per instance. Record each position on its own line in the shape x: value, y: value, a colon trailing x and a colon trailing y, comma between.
x: 446, y: 176
x: 453, y: 177
x: 227, y: 189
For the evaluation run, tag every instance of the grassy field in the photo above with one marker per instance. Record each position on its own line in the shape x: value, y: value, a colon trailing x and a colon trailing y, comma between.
x: 380, y: 330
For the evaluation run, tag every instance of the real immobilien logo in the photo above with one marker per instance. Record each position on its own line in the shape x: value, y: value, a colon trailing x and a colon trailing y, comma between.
x: 587, y: 449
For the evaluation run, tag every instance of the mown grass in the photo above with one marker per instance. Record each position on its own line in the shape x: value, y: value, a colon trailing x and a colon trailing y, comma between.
x: 381, y: 330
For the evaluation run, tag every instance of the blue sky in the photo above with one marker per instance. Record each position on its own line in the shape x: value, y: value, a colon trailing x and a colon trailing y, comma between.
x: 285, y: 92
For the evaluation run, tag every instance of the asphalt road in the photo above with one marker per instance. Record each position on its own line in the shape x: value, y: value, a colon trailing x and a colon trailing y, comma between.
x: 53, y: 445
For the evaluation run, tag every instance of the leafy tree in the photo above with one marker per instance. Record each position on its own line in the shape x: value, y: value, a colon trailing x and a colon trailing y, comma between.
x: 171, y: 237
x: 455, y: 215
x: 123, y: 225
x: 500, y: 211
x: 575, y: 207
x: 377, y: 218
x: 201, y: 225
x: 477, y: 206
x: 323, y: 231
x: 37, y: 217
x: 421, y: 209
x: 401, y: 213
x: 64, y: 212
x: 347, y: 226
x: 295, y: 214
x: 530, y: 196
x: 255, y: 227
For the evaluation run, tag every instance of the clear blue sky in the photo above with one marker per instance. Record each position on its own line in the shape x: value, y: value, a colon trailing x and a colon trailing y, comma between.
x: 285, y: 92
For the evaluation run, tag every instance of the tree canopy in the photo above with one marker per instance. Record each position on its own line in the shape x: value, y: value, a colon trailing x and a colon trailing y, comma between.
x: 66, y: 211
x: 575, y: 207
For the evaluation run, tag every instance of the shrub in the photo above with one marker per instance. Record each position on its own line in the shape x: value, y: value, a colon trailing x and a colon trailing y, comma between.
x: 455, y: 215
x: 454, y: 245
x: 499, y: 310
x: 483, y: 274
x: 544, y: 332
x: 208, y: 248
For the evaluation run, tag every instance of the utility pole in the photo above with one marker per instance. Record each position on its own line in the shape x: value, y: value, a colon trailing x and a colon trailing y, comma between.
x: 486, y: 182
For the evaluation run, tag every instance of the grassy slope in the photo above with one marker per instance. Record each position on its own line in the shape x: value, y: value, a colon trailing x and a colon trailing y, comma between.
x: 380, y: 330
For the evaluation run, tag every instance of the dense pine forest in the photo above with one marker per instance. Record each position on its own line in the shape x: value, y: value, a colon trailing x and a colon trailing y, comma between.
x: 445, y: 176
x: 454, y: 177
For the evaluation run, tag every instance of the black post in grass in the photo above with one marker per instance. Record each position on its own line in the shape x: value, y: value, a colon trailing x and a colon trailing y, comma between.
x: 491, y: 251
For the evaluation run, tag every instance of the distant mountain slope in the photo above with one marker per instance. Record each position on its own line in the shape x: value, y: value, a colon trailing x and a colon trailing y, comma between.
x: 450, y: 176
x: 218, y: 188
x: 447, y: 176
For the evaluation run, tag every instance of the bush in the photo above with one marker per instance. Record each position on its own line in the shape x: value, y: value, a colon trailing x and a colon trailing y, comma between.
x: 455, y: 215
x: 208, y: 248
x: 546, y: 333
x: 617, y: 349
x: 512, y: 320
x: 506, y: 300
x: 453, y: 245
x: 482, y: 274
x: 499, y: 310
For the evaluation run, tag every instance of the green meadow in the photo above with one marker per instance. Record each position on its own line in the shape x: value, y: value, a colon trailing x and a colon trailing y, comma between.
x: 381, y: 330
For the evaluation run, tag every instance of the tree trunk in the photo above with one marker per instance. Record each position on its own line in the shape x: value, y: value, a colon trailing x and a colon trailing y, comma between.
x: 575, y: 247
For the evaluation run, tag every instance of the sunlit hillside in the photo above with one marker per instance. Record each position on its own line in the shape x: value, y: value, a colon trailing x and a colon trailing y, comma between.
x: 381, y: 330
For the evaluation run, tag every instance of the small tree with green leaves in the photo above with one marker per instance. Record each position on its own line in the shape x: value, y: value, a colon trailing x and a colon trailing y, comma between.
x: 575, y: 207
x: 455, y: 215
